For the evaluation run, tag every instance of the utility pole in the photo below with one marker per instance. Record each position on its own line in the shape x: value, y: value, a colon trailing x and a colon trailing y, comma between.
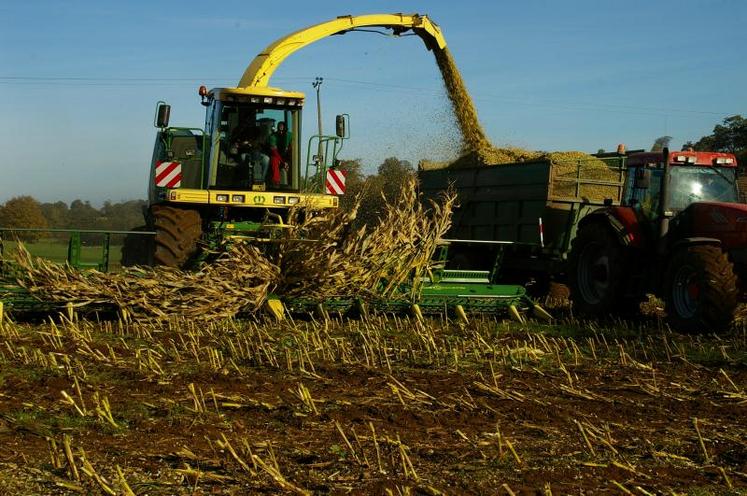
x: 317, y: 86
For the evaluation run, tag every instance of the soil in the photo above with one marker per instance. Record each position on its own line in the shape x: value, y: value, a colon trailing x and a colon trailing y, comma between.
x: 435, y: 409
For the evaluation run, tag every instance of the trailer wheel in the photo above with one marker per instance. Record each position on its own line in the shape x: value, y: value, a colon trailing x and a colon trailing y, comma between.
x: 177, y: 233
x: 596, y: 272
x: 700, y: 290
x: 137, y: 249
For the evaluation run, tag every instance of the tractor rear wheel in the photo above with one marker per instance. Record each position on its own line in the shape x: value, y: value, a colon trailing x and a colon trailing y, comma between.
x: 700, y: 290
x: 596, y: 274
x: 177, y: 233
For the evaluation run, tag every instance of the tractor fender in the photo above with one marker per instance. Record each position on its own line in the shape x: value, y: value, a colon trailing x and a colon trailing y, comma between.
x: 694, y: 241
x: 621, y: 220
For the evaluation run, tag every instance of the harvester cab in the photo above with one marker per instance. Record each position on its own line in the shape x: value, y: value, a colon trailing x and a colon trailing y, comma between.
x: 251, y: 142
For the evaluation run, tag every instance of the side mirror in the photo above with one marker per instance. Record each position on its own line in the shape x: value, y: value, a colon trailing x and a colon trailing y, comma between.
x: 642, y: 178
x: 162, y: 115
x: 340, y: 126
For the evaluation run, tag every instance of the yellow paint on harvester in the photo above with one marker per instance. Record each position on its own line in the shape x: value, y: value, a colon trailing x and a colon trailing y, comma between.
x: 275, y: 308
x: 417, y: 313
x: 514, y: 312
x: 461, y: 314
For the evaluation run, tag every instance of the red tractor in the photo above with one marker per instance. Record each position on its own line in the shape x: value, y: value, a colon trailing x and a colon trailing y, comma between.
x: 679, y: 233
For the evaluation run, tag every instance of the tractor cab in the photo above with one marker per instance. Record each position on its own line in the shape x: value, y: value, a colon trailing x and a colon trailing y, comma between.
x: 680, y: 234
x: 689, y: 177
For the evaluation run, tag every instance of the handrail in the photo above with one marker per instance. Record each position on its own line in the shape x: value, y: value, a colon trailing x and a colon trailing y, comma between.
x: 74, y: 245
x: 82, y: 231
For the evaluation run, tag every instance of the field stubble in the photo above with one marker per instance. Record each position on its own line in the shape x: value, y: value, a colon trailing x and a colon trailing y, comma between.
x: 383, y: 405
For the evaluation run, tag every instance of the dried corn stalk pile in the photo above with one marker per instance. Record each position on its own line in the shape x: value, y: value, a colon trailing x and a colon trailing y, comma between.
x: 239, y: 280
x: 322, y: 257
x: 383, y: 261
x: 312, y: 257
x: 478, y: 150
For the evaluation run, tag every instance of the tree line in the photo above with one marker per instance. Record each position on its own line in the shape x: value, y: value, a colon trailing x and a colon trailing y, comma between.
x: 376, y: 189
x: 27, y: 212
x: 729, y: 136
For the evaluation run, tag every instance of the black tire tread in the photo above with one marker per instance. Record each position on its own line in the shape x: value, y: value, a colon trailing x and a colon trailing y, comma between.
x: 177, y: 233
x: 719, y: 285
x: 614, y: 302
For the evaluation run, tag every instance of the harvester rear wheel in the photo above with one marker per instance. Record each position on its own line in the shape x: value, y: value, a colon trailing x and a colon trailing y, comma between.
x: 596, y: 274
x: 701, y: 291
x: 177, y: 233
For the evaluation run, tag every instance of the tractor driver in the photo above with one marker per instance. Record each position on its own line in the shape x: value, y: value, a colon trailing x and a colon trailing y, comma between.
x: 261, y: 153
x: 248, y: 147
x: 280, y: 149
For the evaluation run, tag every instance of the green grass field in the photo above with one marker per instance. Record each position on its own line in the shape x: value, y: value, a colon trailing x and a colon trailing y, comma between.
x: 56, y: 250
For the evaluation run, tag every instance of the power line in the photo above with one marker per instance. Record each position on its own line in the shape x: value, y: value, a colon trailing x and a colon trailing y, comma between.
x: 577, y: 105
x: 70, y: 81
x: 124, y: 79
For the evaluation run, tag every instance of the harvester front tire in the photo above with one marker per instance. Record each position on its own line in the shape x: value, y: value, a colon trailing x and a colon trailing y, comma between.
x: 596, y: 274
x: 700, y: 290
x: 177, y: 233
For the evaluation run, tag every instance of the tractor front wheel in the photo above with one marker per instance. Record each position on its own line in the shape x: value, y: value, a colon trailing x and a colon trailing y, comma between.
x: 596, y: 272
x: 700, y: 290
x: 177, y: 233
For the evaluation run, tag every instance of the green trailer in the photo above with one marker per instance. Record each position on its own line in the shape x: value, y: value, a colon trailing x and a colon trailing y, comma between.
x: 523, y: 216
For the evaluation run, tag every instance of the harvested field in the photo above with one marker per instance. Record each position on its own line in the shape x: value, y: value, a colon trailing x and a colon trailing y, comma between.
x: 379, y: 406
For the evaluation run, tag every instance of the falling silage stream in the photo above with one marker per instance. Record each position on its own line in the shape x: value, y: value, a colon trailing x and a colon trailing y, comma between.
x: 477, y: 149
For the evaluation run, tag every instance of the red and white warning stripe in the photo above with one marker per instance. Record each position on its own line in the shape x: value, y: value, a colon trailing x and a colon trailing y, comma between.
x: 168, y: 174
x: 336, y: 182
x: 542, y: 233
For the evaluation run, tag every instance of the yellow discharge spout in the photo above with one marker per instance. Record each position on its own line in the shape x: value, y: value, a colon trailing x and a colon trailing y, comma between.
x: 264, y: 65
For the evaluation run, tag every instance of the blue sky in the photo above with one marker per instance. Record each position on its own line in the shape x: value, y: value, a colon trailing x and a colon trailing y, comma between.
x: 81, y: 78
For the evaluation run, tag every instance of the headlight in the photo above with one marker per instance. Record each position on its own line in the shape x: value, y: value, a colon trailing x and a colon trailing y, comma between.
x: 292, y: 200
x: 724, y: 160
x: 267, y: 99
x: 221, y: 198
x: 278, y: 200
x: 238, y: 199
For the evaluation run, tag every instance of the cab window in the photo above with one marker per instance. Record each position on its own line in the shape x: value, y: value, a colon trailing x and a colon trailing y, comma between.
x: 257, y: 148
x: 645, y: 200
